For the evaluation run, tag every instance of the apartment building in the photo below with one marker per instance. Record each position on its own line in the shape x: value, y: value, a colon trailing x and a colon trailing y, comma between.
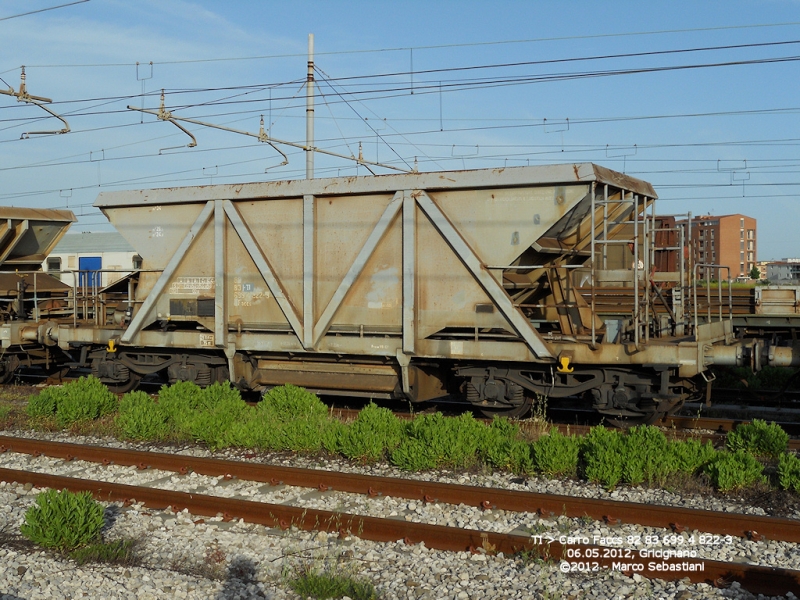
x: 726, y: 240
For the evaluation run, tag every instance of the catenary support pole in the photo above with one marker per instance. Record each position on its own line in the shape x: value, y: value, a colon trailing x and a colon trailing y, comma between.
x: 310, y: 110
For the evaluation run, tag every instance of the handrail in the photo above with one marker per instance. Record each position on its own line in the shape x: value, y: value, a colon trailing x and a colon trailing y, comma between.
x: 95, y: 278
x: 708, y: 290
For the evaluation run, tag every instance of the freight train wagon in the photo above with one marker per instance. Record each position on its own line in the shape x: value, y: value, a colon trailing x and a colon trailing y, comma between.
x: 413, y: 286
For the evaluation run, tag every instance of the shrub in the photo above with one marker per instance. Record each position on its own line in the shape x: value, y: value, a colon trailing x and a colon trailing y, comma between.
x: 289, y: 403
x: 212, y: 423
x: 645, y: 455
x: 81, y: 400
x: 789, y: 472
x: 689, y: 456
x: 141, y: 418
x: 520, y: 457
x: 414, y: 455
x: 556, y: 454
x: 217, y: 393
x: 252, y: 430
x: 179, y: 402
x: 63, y: 520
x: 452, y: 442
x: 758, y: 438
x: 43, y: 404
x: 602, y: 456
x: 301, y: 435
x: 298, y: 417
x: 501, y: 447
x: 374, y: 433
x: 331, y: 436
x: 733, y: 470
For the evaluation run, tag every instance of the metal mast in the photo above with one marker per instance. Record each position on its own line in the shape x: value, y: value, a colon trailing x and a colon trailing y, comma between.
x: 310, y: 110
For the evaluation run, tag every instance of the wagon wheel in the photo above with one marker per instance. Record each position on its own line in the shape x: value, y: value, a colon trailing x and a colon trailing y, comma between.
x: 120, y: 387
x: 515, y: 412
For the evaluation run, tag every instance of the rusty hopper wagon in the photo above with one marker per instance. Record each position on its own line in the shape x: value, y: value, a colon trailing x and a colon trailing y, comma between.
x: 412, y: 286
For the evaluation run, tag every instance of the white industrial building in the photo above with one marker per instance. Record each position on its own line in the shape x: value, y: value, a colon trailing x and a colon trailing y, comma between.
x: 106, y: 256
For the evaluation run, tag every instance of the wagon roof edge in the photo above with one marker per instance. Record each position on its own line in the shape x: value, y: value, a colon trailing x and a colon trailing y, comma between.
x: 558, y: 174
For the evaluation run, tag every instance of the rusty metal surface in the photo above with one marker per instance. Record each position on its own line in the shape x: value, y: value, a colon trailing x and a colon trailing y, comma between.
x: 40, y: 282
x: 765, y: 580
x: 28, y: 235
x: 545, y: 504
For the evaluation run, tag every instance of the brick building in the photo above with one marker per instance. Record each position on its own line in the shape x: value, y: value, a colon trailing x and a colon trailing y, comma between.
x: 727, y: 240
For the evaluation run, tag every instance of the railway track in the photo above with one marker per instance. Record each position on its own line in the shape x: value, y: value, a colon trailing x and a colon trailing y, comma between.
x: 676, y: 522
x: 677, y: 519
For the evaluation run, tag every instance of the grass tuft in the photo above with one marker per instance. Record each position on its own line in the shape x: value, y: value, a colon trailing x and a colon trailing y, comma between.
x: 310, y: 583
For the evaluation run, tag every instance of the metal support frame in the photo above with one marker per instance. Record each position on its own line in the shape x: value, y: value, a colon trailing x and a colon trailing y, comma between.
x: 18, y: 232
x: 23, y: 96
x: 220, y: 312
x: 409, y: 271
x: 264, y: 268
x: 358, y: 265
x: 308, y: 272
x: 478, y: 271
x: 169, y: 270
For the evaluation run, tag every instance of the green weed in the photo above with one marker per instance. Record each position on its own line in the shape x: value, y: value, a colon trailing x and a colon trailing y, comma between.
x: 414, y: 455
x: 789, y: 472
x: 332, y: 435
x: 645, y: 456
x: 141, y: 418
x: 179, y: 402
x: 502, y: 448
x: 64, y: 520
x: 733, y: 470
x: 310, y: 583
x: 220, y: 409
x: 118, y: 552
x: 42, y: 404
x: 556, y: 454
x: 689, y: 456
x: 74, y: 402
x: 758, y: 438
x: 603, y: 456
x: 374, y: 433
x: 288, y: 403
x: 438, y: 441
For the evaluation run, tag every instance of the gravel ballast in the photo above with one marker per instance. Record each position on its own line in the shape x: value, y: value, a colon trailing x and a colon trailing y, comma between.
x: 187, y: 556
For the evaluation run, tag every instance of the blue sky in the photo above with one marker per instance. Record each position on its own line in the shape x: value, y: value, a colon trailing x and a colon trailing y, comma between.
x: 711, y: 136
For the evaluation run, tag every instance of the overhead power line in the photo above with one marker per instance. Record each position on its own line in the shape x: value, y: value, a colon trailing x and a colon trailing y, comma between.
x: 41, y: 10
x: 253, y: 88
x: 438, y: 46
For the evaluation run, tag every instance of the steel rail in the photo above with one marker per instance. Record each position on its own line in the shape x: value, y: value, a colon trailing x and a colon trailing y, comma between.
x: 753, y: 527
x: 720, y: 424
x: 764, y: 580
